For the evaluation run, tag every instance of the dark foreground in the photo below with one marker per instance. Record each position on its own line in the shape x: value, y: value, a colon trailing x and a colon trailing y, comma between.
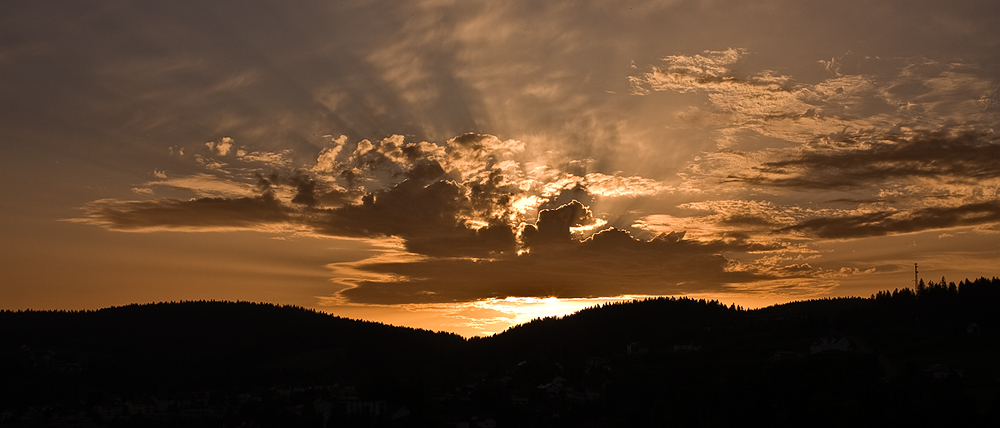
x: 916, y: 357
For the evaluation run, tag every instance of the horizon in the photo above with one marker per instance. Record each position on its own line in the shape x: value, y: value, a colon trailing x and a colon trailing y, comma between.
x: 466, y: 166
x: 470, y: 333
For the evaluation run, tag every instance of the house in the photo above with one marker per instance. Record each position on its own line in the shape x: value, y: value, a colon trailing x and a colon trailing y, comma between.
x: 140, y: 407
x: 576, y: 396
x: 282, y: 391
x: 365, y: 407
x: 519, y: 399
x: 163, y: 406
x: 482, y: 422
x: 348, y: 392
x: 70, y: 421
x: 551, y: 389
x: 110, y: 410
x: 635, y: 348
x: 829, y: 344
x: 596, y: 362
x: 942, y: 371
x: 972, y: 329
x: 687, y: 348
x: 201, y: 398
x: 785, y: 355
x: 400, y: 413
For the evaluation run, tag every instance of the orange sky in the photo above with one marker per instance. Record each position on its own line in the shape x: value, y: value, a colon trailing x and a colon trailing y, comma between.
x: 467, y: 166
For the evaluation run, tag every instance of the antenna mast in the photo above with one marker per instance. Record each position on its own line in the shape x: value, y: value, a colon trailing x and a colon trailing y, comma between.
x: 914, y: 276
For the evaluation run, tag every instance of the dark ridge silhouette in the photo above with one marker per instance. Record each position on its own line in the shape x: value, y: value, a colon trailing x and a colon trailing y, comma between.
x: 922, y: 356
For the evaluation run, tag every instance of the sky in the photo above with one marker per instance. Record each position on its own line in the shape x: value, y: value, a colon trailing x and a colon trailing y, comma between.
x: 470, y: 165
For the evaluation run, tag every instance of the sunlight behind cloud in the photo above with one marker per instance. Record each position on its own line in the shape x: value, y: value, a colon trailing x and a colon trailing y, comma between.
x: 492, y: 155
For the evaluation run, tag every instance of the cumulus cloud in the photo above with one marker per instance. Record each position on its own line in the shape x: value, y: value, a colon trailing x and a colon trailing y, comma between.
x: 478, y: 216
x: 476, y: 219
x: 270, y: 159
x: 221, y: 147
x: 466, y: 209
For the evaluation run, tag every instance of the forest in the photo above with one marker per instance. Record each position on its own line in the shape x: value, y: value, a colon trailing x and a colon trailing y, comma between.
x: 906, y: 356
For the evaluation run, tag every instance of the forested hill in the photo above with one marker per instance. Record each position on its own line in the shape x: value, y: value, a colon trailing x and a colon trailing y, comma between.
x: 902, y: 356
x: 668, y: 322
x: 211, y: 330
x: 164, y: 346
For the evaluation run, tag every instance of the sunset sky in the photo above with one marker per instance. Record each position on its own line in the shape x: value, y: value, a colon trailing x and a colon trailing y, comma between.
x: 470, y: 165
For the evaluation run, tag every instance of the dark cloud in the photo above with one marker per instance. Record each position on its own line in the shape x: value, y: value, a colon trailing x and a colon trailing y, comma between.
x: 430, y: 219
x: 463, y: 210
x: 746, y: 220
x: 893, y: 222
x: 306, y: 192
x: 553, y: 225
x: 454, y: 207
x: 196, y: 214
x: 850, y: 161
x: 608, y: 264
x: 470, y: 243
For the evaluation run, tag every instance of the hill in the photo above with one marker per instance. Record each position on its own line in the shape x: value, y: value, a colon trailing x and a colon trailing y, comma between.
x: 907, y: 356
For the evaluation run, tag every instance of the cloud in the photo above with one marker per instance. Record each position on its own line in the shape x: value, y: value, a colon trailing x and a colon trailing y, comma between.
x: 860, y: 160
x: 465, y: 210
x: 610, y: 263
x: 475, y: 220
x: 554, y: 225
x: 726, y: 220
x: 326, y: 162
x: 470, y: 196
x: 432, y: 219
x: 708, y: 70
x: 555, y: 209
x: 205, y: 185
x: 615, y: 185
x: 912, y: 141
x: 270, y: 159
x: 862, y: 96
x: 222, y: 147
x: 206, y: 214
x: 894, y: 222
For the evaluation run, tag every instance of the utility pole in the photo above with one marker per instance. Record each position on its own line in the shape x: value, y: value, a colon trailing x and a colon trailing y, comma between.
x: 914, y: 276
